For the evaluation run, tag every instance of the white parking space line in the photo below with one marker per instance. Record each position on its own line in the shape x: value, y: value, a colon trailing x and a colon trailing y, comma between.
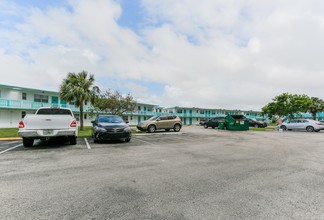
x: 87, y: 143
x: 146, y: 142
x: 11, y: 148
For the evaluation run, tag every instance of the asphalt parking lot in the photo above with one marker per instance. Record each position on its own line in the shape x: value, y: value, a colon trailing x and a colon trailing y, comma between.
x: 194, y: 174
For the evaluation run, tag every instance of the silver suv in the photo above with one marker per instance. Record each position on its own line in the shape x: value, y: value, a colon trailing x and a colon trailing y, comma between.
x: 166, y: 122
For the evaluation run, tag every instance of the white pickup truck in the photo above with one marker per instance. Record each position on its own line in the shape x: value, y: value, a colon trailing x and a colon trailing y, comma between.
x: 46, y: 123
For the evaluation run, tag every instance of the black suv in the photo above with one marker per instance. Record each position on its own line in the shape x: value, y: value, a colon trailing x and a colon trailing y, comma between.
x: 213, y: 122
x: 257, y: 124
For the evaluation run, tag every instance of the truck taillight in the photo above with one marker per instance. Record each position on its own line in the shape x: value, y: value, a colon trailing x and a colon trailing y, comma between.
x: 73, y: 123
x: 21, y: 124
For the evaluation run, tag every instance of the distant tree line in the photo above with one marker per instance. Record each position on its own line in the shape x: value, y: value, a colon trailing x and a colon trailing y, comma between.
x: 289, y: 105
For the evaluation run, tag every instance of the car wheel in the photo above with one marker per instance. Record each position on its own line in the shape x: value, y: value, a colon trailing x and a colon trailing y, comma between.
x: 28, y: 142
x: 205, y: 126
x: 317, y: 130
x: 283, y: 127
x: 73, y: 140
x: 310, y: 129
x: 256, y: 126
x: 176, y: 127
x: 127, y: 140
x: 151, y: 129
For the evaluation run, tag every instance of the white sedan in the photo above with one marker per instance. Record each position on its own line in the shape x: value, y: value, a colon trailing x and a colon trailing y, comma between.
x: 302, y: 124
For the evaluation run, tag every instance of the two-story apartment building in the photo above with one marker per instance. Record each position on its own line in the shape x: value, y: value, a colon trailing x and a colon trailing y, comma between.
x: 194, y: 115
x: 16, y: 102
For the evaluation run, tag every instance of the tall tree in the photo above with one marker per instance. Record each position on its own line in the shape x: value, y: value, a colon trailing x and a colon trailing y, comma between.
x: 113, y: 102
x: 316, y: 105
x: 79, y: 88
x: 287, y: 105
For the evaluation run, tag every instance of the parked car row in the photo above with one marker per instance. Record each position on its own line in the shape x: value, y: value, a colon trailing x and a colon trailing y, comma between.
x: 213, y: 122
x: 58, y: 122
x: 112, y: 127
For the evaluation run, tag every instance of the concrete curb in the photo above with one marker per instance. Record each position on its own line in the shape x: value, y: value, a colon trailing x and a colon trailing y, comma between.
x: 10, y: 139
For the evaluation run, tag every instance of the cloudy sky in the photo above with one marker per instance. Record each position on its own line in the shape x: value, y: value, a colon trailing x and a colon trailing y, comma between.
x: 230, y: 54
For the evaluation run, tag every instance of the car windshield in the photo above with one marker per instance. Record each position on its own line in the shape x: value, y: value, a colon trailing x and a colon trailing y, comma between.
x: 110, y: 119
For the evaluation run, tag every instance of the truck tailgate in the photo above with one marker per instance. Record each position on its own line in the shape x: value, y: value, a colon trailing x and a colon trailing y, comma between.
x: 47, y: 121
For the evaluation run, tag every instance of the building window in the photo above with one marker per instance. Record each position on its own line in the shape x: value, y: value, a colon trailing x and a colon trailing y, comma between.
x: 24, y: 96
x: 23, y: 114
x: 85, y: 102
x: 0, y: 93
x: 85, y: 116
x: 139, y: 108
x: 41, y: 98
x: 179, y: 111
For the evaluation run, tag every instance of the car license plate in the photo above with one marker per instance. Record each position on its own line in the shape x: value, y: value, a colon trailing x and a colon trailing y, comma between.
x: 47, y: 132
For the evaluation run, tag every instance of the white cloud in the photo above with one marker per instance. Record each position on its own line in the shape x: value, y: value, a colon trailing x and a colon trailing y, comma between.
x: 219, y: 54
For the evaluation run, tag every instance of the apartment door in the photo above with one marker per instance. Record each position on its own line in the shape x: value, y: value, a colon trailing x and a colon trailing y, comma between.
x: 63, y: 103
x: 54, y: 101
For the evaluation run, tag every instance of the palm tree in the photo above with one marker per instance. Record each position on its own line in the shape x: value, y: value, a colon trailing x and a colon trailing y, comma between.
x: 79, y: 88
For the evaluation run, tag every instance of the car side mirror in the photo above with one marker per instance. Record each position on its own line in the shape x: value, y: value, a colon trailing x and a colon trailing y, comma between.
x: 126, y: 121
x: 93, y: 122
x: 158, y: 119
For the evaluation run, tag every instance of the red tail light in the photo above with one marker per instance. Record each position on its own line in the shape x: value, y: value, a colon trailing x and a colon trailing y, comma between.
x: 21, y: 124
x: 319, y: 124
x: 73, y: 123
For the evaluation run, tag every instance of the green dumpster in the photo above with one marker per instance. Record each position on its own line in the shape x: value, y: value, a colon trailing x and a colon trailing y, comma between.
x: 237, y: 123
x: 221, y: 124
